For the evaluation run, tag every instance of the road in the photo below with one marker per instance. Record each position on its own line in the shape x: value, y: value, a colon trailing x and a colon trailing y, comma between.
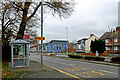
x: 79, y: 68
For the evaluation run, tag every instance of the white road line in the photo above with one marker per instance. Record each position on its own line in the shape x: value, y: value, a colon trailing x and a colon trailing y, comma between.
x: 108, y: 71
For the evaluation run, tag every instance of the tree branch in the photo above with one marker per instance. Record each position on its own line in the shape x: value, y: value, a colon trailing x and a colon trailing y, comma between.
x: 8, y: 25
x: 34, y: 11
x: 7, y: 22
x: 17, y: 6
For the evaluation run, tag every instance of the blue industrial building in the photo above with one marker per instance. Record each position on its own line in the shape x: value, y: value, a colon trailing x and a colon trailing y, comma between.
x: 55, y: 46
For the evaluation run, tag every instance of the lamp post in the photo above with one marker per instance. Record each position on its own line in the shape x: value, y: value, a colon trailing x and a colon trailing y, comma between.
x: 41, y: 32
x: 67, y: 38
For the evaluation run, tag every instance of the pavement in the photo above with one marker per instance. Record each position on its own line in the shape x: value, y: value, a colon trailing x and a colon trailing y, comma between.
x: 37, y: 71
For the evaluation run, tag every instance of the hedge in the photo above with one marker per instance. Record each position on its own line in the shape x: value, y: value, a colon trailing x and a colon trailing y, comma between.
x: 87, y: 57
x: 94, y: 58
x: 75, y: 56
x: 115, y: 59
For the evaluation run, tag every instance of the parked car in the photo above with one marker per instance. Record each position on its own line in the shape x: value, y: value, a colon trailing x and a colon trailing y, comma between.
x: 80, y: 51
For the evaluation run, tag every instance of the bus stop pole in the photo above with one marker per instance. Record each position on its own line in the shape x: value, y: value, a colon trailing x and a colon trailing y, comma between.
x: 41, y: 32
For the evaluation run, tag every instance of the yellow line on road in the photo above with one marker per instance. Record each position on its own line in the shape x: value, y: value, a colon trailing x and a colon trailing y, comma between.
x: 63, y: 71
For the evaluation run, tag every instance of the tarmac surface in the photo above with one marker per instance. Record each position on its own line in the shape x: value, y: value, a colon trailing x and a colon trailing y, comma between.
x: 80, y: 68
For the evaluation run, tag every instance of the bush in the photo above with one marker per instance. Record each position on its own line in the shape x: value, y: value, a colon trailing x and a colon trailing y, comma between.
x: 94, y: 58
x: 52, y: 54
x: 87, y: 57
x: 99, y: 58
x: 75, y: 56
x: 115, y: 59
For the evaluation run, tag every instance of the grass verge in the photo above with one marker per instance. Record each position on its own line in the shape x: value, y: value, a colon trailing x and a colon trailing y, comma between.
x: 66, y: 53
x: 12, y: 74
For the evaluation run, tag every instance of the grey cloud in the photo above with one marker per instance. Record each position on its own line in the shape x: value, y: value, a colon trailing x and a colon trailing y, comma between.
x: 84, y: 21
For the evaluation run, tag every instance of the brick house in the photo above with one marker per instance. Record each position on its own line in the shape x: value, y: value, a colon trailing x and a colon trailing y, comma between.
x: 110, y: 38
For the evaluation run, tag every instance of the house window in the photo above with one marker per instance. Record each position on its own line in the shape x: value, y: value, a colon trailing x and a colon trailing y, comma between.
x: 116, y: 40
x: 116, y: 48
x: 107, y: 41
x: 107, y: 48
x: 60, y: 47
x: 57, y: 47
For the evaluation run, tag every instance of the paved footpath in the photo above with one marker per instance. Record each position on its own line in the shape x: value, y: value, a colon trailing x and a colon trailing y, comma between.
x: 38, y: 72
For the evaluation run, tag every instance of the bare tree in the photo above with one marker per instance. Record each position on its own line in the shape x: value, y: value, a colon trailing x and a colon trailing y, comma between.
x: 17, y: 16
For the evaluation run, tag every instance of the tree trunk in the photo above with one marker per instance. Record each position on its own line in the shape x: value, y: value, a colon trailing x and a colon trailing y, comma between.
x: 20, y: 33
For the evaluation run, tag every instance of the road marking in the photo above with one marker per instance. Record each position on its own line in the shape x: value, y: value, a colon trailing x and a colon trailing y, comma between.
x: 103, y: 70
x: 108, y: 71
x: 90, y: 74
x: 63, y: 72
x: 73, y: 70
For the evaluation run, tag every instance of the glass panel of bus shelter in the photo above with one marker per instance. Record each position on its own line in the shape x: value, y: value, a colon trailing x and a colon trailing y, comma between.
x: 19, y: 55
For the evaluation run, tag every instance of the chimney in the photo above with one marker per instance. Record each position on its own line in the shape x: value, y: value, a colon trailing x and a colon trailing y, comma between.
x: 91, y: 35
x: 118, y: 29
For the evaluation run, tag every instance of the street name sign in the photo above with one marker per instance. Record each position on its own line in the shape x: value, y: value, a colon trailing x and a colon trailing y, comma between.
x: 39, y: 38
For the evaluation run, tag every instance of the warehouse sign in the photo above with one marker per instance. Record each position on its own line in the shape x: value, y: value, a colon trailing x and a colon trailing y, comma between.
x: 39, y: 38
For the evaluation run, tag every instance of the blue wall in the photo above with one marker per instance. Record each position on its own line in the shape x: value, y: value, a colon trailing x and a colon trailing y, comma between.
x: 56, y: 46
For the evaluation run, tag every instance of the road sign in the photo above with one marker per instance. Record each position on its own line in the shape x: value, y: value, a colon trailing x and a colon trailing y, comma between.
x: 39, y: 38
x: 26, y: 36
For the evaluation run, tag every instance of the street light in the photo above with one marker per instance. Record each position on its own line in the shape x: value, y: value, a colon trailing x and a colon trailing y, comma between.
x: 67, y: 33
x: 67, y: 37
x: 41, y: 32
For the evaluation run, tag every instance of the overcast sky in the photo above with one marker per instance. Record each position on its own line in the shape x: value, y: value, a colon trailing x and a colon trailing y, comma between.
x: 89, y: 17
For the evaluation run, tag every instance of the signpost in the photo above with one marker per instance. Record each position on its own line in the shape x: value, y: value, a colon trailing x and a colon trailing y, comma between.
x: 39, y: 38
x: 26, y: 36
x: 41, y: 32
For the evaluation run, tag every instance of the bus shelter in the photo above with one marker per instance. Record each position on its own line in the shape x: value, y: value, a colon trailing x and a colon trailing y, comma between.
x: 19, y: 53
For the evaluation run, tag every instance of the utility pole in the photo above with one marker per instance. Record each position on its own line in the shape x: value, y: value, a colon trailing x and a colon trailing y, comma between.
x: 67, y: 38
x: 67, y: 33
x: 41, y: 32
x: 113, y: 35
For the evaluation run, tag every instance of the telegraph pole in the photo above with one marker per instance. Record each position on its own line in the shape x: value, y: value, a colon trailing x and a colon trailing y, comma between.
x: 41, y: 32
x: 113, y: 35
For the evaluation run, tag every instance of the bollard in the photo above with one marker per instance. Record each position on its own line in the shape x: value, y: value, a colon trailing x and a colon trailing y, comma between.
x: 9, y: 66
